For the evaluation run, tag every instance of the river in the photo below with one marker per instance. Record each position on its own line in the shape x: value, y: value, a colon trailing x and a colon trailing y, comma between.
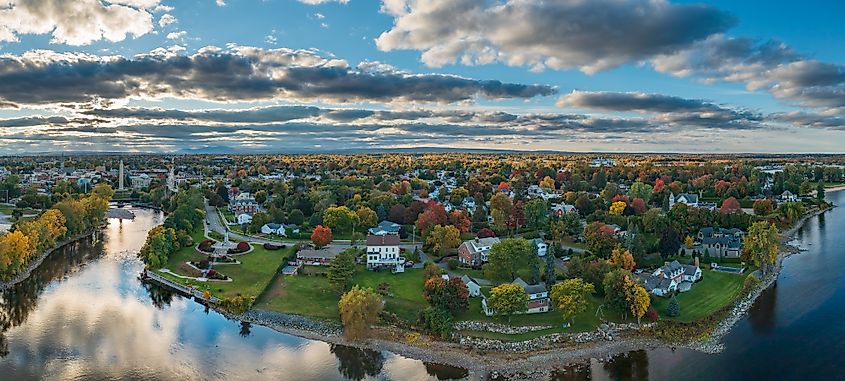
x: 85, y: 315
x: 794, y: 331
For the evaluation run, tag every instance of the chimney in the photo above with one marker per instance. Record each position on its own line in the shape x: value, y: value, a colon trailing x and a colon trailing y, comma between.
x: 696, y: 262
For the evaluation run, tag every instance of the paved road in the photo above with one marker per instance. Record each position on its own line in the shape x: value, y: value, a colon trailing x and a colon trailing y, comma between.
x: 214, y: 223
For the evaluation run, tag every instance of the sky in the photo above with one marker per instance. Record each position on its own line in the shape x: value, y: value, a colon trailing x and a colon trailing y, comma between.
x: 299, y: 76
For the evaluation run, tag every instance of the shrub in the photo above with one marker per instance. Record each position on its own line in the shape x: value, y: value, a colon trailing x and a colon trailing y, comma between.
x: 383, y: 288
x: 270, y: 246
x: 652, y: 314
x: 452, y: 263
x: 206, y: 246
x: 243, y: 246
x: 203, y: 264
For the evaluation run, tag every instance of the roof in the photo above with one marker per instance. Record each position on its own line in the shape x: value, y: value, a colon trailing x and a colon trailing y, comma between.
x: 273, y: 226
x: 692, y: 198
x: 672, y: 267
x: 690, y: 270
x: 475, y: 245
x: 530, y: 288
x: 385, y: 227
x: 467, y: 280
x: 382, y: 240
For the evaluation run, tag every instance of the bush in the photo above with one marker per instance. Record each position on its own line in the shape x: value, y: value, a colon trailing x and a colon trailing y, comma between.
x: 652, y: 314
x: 270, y: 246
x: 205, y: 246
x: 452, y: 263
x: 383, y: 288
x: 243, y: 246
x: 203, y: 264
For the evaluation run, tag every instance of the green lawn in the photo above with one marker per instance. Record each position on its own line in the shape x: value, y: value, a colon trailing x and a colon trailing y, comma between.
x: 714, y: 291
x: 473, y: 273
x: 249, y: 278
x: 313, y: 296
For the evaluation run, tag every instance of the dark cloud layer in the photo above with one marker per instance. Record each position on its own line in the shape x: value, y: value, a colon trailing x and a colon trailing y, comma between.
x: 236, y: 74
x: 591, y: 35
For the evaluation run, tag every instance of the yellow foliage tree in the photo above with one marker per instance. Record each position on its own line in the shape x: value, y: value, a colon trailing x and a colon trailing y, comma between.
x: 508, y: 299
x: 622, y: 258
x: 638, y: 300
x: 689, y: 242
x: 570, y: 297
x: 442, y: 238
x: 547, y: 183
x: 359, y: 309
x: 617, y: 208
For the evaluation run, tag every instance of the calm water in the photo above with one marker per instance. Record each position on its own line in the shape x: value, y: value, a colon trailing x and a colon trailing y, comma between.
x: 794, y: 331
x: 84, y: 315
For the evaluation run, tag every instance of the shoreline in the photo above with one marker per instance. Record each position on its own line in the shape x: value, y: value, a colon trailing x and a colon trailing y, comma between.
x: 36, y: 262
x: 524, y: 364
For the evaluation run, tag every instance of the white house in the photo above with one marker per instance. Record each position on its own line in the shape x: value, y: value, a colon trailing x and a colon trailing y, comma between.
x: 243, y: 218
x: 541, y: 247
x: 272, y: 228
x: 473, y: 286
x: 788, y: 196
x: 683, y: 198
x: 383, y: 252
x: 563, y: 208
x: 385, y: 227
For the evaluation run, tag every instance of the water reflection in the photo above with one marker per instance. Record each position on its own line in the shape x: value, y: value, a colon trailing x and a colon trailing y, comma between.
x: 85, y: 315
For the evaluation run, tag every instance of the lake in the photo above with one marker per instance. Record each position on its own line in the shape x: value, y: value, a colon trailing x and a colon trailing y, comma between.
x: 85, y: 315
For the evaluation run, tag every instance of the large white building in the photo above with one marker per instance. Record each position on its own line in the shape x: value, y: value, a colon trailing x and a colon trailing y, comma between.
x: 383, y: 252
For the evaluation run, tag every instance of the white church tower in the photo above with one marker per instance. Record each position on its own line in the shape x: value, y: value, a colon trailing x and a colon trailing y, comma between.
x: 120, y: 179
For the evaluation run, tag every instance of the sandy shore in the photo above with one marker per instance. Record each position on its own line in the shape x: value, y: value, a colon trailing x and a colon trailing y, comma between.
x: 538, y: 364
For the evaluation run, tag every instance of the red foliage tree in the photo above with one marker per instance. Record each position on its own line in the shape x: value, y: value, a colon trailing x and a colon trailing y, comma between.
x: 485, y: 233
x: 321, y: 236
x: 730, y: 205
x: 434, y: 215
x: 451, y: 295
x: 620, y: 197
x: 460, y: 220
x: 658, y: 185
x: 396, y: 214
x: 243, y: 246
x: 638, y: 205
x: 413, y: 211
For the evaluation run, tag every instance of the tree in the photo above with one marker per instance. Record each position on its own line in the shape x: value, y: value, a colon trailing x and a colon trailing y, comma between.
x: 451, y: 295
x: 820, y: 191
x: 670, y: 243
x: 616, y: 285
x: 508, y: 257
x: 261, y: 197
x: 761, y: 245
x: 622, y: 259
x: 570, y: 297
x: 485, y: 233
x: 534, y: 272
x: 730, y: 206
x: 763, y: 207
x: 551, y: 273
x: 508, y: 299
x: 367, y: 217
x: 674, y: 308
x: 438, y: 321
x: 640, y: 190
x: 638, y: 301
x: 638, y: 205
x: 339, y: 218
x: 431, y: 270
x: 321, y: 236
x: 434, y: 215
x: 359, y: 309
x: 442, y: 238
x: 396, y: 214
x: 600, y: 239
x: 617, y: 208
x: 295, y: 217
x: 341, y: 270
x: 536, y: 213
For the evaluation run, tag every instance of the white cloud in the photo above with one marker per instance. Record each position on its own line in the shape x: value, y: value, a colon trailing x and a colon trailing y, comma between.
x: 166, y: 19
x: 176, y: 35
x: 78, y: 22
x: 317, y: 2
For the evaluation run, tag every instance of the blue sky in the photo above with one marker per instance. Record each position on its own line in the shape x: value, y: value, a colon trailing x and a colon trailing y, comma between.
x: 656, y: 98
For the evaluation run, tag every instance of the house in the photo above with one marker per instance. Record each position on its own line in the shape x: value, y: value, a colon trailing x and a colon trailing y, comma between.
x: 473, y: 286
x: 660, y: 286
x: 788, y: 196
x: 243, y: 218
x: 722, y: 243
x: 538, y: 298
x: 671, y: 277
x: 243, y: 206
x: 383, y: 252
x: 692, y: 273
x: 475, y: 252
x: 312, y: 256
x: 560, y: 209
x: 385, y: 227
x: 541, y: 246
x: 684, y: 198
x: 469, y: 203
x: 272, y: 228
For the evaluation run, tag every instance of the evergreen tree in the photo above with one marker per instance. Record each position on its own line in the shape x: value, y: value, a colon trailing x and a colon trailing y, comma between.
x: 674, y: 308
x: 341, y: 270
x: 551, y: 275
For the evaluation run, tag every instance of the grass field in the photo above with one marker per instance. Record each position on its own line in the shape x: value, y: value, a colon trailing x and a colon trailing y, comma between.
x: 250, y: 278
x: 313, y: 296
x: 714, y: 291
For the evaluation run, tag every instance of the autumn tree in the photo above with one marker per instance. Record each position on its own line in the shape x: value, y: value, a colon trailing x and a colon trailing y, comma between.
x: 536, y: 213
x: 570, y: 297
x: 638, y: 301
x: 640, y: 190
x: 339, y: 218
x: 600, y: 239
x: 730, y: 206
x: 341, y: 270
x: 443, y: 238
x: 623, y: 259
x: 616, y: 285
x: 451, y: 295
x: 508, y: 299
x: 508, y: 257
x: 321, y: 236
x: 367, y: 217
x: 763, y: 207
x: 359, y: 309
x: 761, y: 245
x: 432, y: 216
x: 617, y: 208
x: 431, y: 270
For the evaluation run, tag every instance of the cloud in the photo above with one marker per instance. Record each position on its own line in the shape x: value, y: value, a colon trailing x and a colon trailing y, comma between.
x: 78, y: 22
x: 761, y: 65
x: 166, y: 19
x: 804, y: 119
x: 590, y: 35
x: 233, y: 74
x: 670, y: 109
x: 176, y: 35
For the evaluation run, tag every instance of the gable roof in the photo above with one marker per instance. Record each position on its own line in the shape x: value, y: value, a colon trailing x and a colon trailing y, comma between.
x: 382, y: 240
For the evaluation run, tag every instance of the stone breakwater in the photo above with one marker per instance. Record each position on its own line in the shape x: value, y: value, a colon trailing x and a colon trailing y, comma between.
x: 280, y: 321
x: 606, y: 332
x: 498, y: 328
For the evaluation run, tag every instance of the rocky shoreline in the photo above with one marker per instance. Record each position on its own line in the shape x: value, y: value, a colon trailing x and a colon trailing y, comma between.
x: 34, y: 263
